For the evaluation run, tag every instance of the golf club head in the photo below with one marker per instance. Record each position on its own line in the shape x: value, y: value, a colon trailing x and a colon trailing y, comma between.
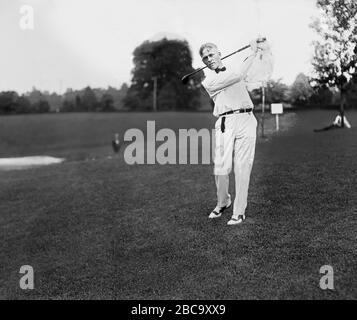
x: 185, y: 79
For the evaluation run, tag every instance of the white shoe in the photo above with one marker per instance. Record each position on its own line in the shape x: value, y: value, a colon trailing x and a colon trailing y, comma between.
x: 217, y: 212
x: 235, y: 221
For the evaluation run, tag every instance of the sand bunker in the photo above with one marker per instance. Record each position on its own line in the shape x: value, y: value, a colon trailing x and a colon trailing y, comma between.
x: 27, y: 162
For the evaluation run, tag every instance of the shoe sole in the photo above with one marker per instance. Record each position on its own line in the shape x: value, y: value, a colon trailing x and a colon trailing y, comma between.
x: 235, y: 222
x: 217, y: 216
x: 214, y: 217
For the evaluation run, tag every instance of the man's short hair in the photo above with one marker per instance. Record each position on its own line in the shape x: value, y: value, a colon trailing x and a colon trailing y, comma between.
x: 207, y: 45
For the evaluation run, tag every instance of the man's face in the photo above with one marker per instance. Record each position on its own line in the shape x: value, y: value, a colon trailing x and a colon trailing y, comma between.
x: 211, y: 57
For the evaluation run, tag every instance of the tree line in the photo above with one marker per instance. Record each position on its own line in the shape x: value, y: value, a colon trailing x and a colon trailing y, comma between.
x: 85, y: 100
x: 301, y: 94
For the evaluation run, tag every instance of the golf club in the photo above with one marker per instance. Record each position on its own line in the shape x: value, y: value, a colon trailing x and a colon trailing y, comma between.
x: 187, y: 76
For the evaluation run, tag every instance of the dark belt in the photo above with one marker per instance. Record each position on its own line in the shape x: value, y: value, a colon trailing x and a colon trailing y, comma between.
x: 223, y: 120
x: 236, y: 111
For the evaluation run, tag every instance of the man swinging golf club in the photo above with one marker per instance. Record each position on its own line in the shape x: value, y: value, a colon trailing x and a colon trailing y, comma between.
x: 235, y: 129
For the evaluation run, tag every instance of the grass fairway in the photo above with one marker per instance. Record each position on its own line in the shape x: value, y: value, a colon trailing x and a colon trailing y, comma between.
x: 105, y: 230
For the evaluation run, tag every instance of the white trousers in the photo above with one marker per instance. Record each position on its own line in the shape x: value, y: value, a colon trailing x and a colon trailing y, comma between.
x: 239, y: 137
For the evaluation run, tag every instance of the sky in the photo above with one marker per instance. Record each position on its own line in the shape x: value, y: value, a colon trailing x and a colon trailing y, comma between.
x: 75, y: 43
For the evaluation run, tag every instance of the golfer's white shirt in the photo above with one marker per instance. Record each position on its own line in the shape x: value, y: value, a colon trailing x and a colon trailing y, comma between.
x: 228, y: 89
x: 226, y: 94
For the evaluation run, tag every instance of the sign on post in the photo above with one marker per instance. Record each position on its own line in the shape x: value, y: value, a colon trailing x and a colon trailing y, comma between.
x: 276, y: 108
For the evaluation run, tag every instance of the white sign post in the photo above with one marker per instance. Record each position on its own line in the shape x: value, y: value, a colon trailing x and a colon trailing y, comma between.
x: 277, y: 108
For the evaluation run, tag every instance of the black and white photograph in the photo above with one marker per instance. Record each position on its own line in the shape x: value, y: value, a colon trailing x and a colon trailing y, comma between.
x: 163, y: 151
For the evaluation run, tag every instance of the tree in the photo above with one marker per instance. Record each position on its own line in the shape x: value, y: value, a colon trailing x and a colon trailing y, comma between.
x: 69, y: 100
x: 335, y: 60
x: 300, y: 91
x: 106, y: 102
x: 89, y: 100
x: 68, y: 106
x: 34, y: 96
x: 41, y: 106
x: 167, y: 98
x: 54, y: 100
x: 11, y: 102
x: 118, y: 95
x: 167, y: 61
x: 78, y: 106
x: 322, y: 96
x: 23, y: 105
x: 275, y: 92
x: 8, y: 101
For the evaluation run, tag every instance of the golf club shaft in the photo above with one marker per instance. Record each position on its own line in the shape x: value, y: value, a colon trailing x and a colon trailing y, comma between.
x: 239, y: 50
x: 185, y: 78
x: 198, y: 70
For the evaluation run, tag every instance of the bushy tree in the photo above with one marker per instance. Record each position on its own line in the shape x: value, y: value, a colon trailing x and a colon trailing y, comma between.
x: 8, y: 102
x: 106, y: 102
x: 54, y: 100
x: 118, y: 95
x: 322, y: 96
x: 275, y: 92
x: 334, y: 60
x: 166, y: 61
x: 89, y: 100
x: 68, y: 106
x: 34, y: 95
x: 23, y: 105
x: 300, y: 91
x: 41, y: 106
